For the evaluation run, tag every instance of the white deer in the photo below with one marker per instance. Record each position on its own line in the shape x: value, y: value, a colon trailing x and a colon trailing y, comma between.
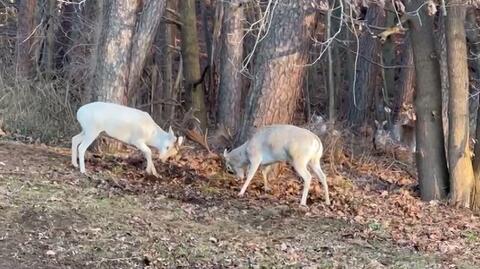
x: 129, y: 125
x: 276, y: 143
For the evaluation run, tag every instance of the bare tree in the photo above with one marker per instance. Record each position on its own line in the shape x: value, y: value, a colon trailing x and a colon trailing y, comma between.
x: 361, y: 102
x: 230, y: 92
x: 147, y: 24
x: 430, y: 157
x: 125, y: 41
x: 191, y: 65
x: 279, y: 66
x: 404, y: 88
x: 64, y: 33
x: 25, y: 28
x: 165, y: 59
x: 473, y: 35
x: 460, y: 165
x: 113, y: 55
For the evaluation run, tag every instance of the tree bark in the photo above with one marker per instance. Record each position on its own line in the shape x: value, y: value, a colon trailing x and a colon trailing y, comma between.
x: 191, y: 65
x: 64, y: 34
x: 389, y: 59
x: 331, y: 86
x: 113, y: 58
x: 403, y: 93
x: 441, y: 49
x: 460, y: 165
x: 94, y: 10
x: 169, y: 92
x: 430, y: 155
x: 474, y: 37
x: 361, y: 102
x: 143, y: 37
x: 349, y: 72
x: 230, y: 92
x: 50, y: 41
x: 279, y: 67
x: 25, y: 27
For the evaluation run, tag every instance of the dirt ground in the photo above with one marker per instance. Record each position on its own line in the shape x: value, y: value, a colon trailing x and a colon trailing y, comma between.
x: 116, y: 217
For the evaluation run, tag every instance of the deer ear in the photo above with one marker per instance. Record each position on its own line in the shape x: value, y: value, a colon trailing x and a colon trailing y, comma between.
x: 170, y: 131
x: 225, y: 152
x: 179, y: 140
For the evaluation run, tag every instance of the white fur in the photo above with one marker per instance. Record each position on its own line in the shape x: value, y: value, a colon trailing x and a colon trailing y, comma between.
x: 276, y: 143
x: 126, y: 124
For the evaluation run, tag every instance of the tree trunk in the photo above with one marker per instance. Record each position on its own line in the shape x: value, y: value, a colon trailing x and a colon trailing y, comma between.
x: 169, y: 94
x: 25, y: 27
x: 350, y: 66
x: 191, y: 65
x: 113, y: 58
x: 331, y: 86
x: 279, y: 67
x: 441, y: 49
x: 143, y: 37
x: 474, y: 37
x: 64, y: 34
x: 430, y: 155
x: 389, y: 55
x: 460, y: 165
x: 230, y: 92
x: 95, y: 12
x: 361, y: 102
x: 210, y: 88
x: 403, y: 94
x: 50, y: 41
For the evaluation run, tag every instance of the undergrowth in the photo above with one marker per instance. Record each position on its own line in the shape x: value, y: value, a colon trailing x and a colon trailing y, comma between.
x: 42, y: 109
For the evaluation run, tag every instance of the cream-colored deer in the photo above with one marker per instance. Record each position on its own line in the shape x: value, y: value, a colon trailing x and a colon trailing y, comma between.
x: 126, y: 124
x: 276, y: 143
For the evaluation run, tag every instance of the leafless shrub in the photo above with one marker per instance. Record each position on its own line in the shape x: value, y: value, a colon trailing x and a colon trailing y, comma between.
x: 38, y: 108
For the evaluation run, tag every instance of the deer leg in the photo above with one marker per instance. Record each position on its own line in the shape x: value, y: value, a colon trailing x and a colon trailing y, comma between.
x: 76, y: 140
x: 266, y: 171
x: 315, y: 165
x: 147, y: 152
x: 254, y: 164
x: 301, y: 169
x: 82, y: 148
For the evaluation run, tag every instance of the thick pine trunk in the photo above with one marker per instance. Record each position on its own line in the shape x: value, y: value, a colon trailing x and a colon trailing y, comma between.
x: 230, y: 92
x: 112, y: 66
x: 191, y: 65
x: 143, y: 37
x: 430, y: 156
x: 460, y: 165
x: 25, y: 26
x: 113, y: 55
x: 279, y: 67
x: 361, y: 106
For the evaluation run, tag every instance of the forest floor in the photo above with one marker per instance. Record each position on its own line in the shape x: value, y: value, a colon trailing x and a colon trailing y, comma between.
x: 116, y: 217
